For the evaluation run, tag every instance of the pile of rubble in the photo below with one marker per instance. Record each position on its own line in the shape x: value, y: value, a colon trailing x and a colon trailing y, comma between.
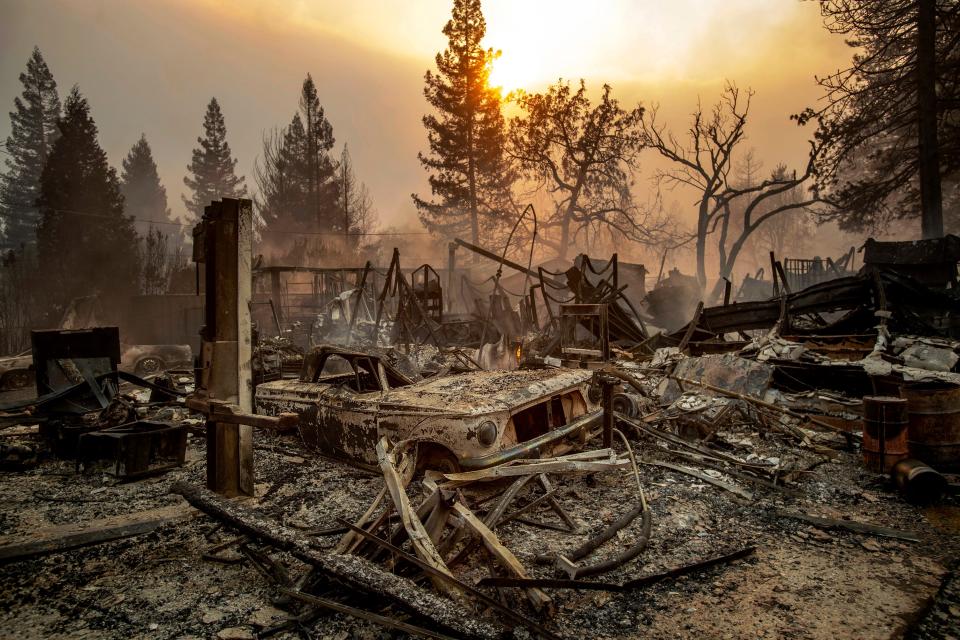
x: 778, y: 468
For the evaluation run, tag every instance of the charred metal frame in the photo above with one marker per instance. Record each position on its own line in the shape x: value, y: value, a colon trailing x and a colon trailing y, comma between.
x: 595, y: 319
x: 51, y: 350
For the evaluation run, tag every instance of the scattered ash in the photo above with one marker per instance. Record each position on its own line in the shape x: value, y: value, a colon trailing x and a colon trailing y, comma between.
x: 802, y: 581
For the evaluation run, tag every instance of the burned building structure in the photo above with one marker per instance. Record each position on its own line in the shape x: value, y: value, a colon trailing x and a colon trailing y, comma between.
x: 500, y: 450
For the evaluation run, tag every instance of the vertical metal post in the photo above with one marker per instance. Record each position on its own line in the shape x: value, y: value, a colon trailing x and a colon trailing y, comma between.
x: 606, y: 385
x: 451, y: 267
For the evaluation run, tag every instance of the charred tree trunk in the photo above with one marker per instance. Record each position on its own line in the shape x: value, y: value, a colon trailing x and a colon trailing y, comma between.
x: 929, y: 156
x: 568, y: 219
x: 702, y: 226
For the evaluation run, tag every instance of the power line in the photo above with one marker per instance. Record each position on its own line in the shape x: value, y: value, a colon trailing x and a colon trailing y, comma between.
x: 266, y: 229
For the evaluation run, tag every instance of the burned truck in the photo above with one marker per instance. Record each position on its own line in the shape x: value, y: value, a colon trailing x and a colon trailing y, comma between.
x: 348, y: 400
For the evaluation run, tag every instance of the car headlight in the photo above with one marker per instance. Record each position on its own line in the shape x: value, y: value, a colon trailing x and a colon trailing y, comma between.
x: 487, y: 433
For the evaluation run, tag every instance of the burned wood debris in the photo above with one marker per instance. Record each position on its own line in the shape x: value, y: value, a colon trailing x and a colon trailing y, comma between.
x: 368, y: 450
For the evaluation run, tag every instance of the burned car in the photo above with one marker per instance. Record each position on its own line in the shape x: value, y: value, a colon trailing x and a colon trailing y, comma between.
x: 148, y: 359
x: 16, y: 372
x: 348, y: 400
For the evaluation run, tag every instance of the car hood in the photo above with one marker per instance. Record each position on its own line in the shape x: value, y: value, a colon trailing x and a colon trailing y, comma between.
x: 479, y: 392
x: 15, y: 362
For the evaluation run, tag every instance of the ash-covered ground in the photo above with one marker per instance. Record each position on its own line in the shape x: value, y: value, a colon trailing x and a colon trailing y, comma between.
x: 802, y: 582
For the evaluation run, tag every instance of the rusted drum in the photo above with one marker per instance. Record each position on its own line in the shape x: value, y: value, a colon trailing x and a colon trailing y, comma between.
x: 918, y: 483
x: 885, y: 422
x: 934, y: 424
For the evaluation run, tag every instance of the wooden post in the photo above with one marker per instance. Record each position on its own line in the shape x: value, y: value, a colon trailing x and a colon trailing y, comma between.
x: 688, y: 334
x: 276, y: 295
x: 773, y: 274
x: 227, y: 349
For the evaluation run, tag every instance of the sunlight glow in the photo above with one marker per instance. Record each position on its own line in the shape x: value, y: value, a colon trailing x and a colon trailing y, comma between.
x: 543, y: 40
x: 681, y: 42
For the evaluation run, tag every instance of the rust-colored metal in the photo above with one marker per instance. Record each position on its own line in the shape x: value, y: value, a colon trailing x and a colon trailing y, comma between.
x: 884, y: 432
x: 934, y: 434
x: 918, y: 483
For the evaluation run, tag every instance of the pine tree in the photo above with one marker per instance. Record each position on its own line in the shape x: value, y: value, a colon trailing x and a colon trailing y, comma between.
x: 296, y: 177
x: 317, y: 166
x: 470, y: 177
x: 155, y: 261
x: 889, y: 123
x: 281, y: 200
x: 212, y: 175
x: 33, y: 129
x: 84, y: 241
x: 144, y: 197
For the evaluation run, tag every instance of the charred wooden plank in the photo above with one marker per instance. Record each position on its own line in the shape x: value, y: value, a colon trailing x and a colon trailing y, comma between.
x: 504, y: 556
x: 555, y: 583
x: 851, y: 525
x: 419, y: 537
x: 506, y: 612
x: 350, y: 571
x: 73, y: 536
x: 383, y: 621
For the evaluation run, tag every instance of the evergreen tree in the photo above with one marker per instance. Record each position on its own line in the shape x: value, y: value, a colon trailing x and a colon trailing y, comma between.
x: 296, y: 178
x: 155, y: 262
x: 281, y: 200
x: 212, y: 175
x: 33, y: 129
x: 317, y: 166
x: 85, y: 242
x: 470, y: 177
x: 889, y: 123
x: 144, y: 197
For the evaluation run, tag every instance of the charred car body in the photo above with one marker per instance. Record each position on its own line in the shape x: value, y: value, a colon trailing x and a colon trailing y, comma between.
x: 17, y: 372
x: 348, y: 400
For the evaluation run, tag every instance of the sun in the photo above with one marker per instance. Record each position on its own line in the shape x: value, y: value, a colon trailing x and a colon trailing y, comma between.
x: 509, y: 73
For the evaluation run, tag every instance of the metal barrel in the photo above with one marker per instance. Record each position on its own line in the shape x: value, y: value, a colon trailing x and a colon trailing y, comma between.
x: 934, y: 434
x: 917, y: 482
x: 885, y: 423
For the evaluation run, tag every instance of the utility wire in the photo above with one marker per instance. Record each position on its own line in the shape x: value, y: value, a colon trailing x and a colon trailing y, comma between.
x: 266, y: 229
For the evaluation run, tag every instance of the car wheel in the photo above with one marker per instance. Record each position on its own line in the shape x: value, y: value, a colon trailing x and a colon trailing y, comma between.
x: 148, y: 366
x: 16, y: 379
x: 436, y: 458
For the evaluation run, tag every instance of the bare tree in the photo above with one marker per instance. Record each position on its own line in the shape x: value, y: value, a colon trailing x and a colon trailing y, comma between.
x: 704, y: 163
x: 585, y: 156
x: 784, y: 235
x: 359, y: 215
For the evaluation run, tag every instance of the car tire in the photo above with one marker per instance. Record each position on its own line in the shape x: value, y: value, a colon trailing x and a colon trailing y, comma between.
x: 437, y: 458
x: 148, y: 366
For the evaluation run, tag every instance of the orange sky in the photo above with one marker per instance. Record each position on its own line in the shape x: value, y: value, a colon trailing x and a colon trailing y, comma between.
x: 151, y: 65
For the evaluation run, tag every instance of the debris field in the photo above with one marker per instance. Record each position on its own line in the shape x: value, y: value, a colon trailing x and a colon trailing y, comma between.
x: 779, y: 468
